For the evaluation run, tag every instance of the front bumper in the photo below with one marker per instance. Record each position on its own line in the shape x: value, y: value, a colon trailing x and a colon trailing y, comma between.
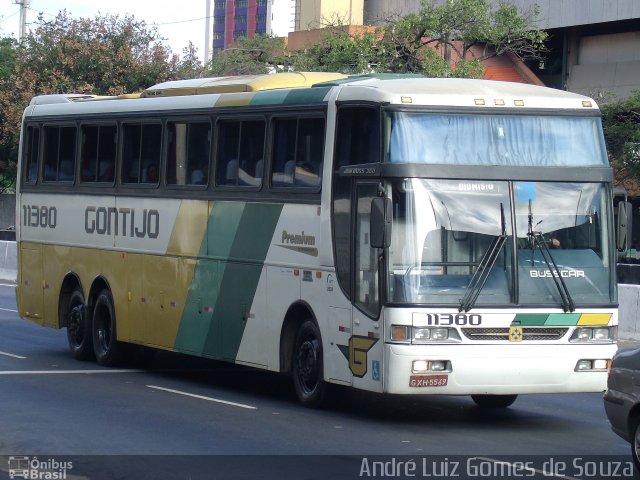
x: 497, y: 369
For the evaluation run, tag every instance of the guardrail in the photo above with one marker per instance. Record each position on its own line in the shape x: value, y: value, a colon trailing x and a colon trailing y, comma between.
x: 8, y: 261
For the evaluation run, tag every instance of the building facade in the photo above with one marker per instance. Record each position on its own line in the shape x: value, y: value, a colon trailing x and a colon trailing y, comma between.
x: 283, y: 17
x: 233, y: 19
x: 314, y: 14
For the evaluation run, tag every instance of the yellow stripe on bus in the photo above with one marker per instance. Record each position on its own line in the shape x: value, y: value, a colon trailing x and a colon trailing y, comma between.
x: 594, y: 319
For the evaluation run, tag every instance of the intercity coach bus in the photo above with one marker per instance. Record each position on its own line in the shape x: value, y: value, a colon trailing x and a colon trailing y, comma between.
x: 390, y: 233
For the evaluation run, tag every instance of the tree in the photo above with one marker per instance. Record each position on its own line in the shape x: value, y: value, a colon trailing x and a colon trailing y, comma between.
x: 189, y: 66
x: 8, y: 47
x: 250, y: 56
x: 103, y: 56
x: 453, y: 39
x: 8, y: 152
x: 339, y: 51
x: 442, y: 40
x: 621, y: 124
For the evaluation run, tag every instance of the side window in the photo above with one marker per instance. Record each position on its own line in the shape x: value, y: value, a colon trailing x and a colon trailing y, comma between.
x: 98, y: 153
x: 357, y: 141
x: 366, y: 281
x: 30, y: 156
x: 189, y: 144
x: 298, y: 148
x: 357, y: 136
x: 141, y: 153
x: 59, y: 154
x: 240, y: 157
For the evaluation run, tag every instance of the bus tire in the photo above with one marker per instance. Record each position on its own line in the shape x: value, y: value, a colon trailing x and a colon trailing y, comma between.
x: 107, y: 349
x: 307, y: 368
x: 79, y: 335
x: 494, y: 401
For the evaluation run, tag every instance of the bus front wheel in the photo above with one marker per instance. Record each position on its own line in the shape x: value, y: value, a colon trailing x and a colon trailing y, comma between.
x: 308, y: 372
x: 106, y: 347
x: 79, y: 327
x: 494, y: 401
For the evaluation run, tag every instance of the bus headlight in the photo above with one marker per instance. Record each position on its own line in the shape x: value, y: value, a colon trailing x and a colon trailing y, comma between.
x: 434, y: 334
x: 594, y: 334
x: 430, y: 366
x: 599, y: 365
x: 423, y: 335
x: 601, y: 334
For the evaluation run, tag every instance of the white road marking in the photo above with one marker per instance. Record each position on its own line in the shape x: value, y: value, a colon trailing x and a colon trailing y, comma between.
x: 12, y: 355
x: 8, y: 310
x: 63, y: 372
x: 201, y: 397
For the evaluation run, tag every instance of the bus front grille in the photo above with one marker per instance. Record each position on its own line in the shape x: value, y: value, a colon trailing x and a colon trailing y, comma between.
x: 529, y: 334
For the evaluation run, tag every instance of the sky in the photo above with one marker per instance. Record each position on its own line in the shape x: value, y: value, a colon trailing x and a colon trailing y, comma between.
x: 177, y: 21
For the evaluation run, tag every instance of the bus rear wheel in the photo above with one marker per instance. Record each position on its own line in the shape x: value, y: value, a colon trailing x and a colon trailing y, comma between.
x: 494, y: 401
x: 108, y: 350
x: 79, y: 327
x: 308, y: 371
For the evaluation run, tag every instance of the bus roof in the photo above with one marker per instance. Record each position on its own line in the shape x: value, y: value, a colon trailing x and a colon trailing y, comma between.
x: 452, y: 92
x: 308, y: 88
x: 244, y: 83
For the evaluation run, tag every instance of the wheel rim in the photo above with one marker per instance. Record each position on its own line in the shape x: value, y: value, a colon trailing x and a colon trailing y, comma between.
x: 308, y: 365
x: 103, y: 327
x: 636, y: 444
x: 75, y: 325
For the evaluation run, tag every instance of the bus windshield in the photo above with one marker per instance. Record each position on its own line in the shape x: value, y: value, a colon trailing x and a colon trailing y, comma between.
x: 541, y: 141
x: 444, y: 231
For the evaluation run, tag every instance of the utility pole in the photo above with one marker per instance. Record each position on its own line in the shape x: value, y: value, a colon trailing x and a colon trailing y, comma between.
x: 24, y: 6
x: 207, y: 33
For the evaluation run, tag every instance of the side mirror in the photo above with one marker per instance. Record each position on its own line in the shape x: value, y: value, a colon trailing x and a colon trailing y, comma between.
x: 380, y: 223
x: 623, y: 228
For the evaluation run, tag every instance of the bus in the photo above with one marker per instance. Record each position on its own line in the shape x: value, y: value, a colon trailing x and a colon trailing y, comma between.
x: 390, y: 233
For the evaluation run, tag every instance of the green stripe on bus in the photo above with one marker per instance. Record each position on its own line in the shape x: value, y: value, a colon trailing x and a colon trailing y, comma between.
x: 240, y: 280
x: 269, y: 97
x: 307, y: 95
x: 547, y: 319
x: 566, y: 319
x: 222, y: 291
x: 529, y: 319
x: 198, y: 308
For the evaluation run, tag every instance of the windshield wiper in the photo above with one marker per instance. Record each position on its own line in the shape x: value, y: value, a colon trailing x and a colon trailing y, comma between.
x: 537, y: 240
x: 485, y: 266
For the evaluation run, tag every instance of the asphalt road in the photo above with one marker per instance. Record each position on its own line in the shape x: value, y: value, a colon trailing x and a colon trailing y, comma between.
x: 180, y: 417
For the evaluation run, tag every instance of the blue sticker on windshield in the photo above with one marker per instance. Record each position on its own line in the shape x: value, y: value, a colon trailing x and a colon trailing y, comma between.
x: 525, y: 191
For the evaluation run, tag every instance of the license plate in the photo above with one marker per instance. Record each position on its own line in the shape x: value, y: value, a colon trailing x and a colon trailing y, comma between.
x: 428, y: 380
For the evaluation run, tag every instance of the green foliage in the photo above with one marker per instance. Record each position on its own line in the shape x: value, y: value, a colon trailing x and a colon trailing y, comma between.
x: 340, y: 52
x: 7, y: 56
x: 250, y: 56
x: 105, y: 55
x: 621, y: 123
x: 462, y: 33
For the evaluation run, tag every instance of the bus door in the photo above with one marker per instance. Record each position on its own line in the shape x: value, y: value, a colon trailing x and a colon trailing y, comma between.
x: 366, y: 343
x: 31, y: 282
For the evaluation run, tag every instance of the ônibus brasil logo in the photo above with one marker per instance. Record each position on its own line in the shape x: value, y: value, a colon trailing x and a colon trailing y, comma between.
x: 34, y: 468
